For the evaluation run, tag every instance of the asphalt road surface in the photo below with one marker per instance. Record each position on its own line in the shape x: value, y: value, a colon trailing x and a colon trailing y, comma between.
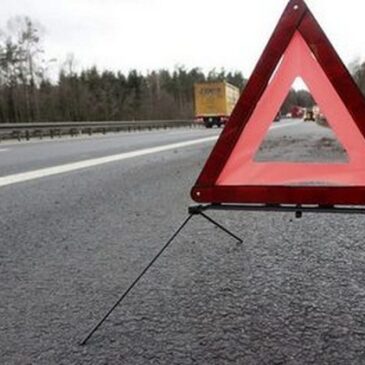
x: 72, y: 241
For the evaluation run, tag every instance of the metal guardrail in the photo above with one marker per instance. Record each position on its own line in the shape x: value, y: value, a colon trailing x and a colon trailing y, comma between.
x: 39, y: 130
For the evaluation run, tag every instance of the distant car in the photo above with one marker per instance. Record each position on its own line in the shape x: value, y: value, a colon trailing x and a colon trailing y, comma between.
x: 309, y: 116
x: 296, y: 112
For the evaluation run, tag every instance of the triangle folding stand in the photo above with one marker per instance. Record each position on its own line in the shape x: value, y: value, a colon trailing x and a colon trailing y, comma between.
x: 231, y: 180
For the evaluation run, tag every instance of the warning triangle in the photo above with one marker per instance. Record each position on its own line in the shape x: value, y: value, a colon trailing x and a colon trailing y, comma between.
x: 297, y: 48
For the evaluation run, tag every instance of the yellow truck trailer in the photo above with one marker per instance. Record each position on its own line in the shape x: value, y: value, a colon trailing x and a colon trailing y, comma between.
x: 214, y: 102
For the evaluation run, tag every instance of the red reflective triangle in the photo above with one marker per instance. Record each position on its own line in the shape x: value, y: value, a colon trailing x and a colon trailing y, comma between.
x: 298, y: 47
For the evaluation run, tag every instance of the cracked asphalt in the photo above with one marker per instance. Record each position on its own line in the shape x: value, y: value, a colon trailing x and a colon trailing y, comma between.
x: 292, y: 293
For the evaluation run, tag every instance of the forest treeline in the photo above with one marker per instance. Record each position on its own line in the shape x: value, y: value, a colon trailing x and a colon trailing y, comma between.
x: 27, y: 94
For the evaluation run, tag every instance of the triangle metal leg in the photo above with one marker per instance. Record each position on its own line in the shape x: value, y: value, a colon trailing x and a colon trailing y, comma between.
x: 221, y: 227
x: 167, y: 244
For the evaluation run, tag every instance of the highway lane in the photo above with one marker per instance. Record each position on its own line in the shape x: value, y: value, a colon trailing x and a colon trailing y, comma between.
x: 35, y: 155
x: 293, y: 293
x: 28, y: 156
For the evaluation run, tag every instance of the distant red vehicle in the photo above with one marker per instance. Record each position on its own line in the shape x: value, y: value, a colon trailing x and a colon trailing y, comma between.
x: 297, y: 112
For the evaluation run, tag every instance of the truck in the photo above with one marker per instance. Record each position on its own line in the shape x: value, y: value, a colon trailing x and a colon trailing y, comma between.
x: 214, y: 102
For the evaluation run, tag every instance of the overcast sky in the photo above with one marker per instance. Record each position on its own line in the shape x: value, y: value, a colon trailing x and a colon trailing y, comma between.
x: 154, y: 34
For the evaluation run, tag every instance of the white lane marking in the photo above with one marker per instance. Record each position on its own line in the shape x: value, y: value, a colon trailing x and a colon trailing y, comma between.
x: 50, y: 171
x: 289, y: 124
x: 4, y: 149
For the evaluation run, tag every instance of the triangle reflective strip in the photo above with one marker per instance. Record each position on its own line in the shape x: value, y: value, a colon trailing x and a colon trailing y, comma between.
x: 240, y: 168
